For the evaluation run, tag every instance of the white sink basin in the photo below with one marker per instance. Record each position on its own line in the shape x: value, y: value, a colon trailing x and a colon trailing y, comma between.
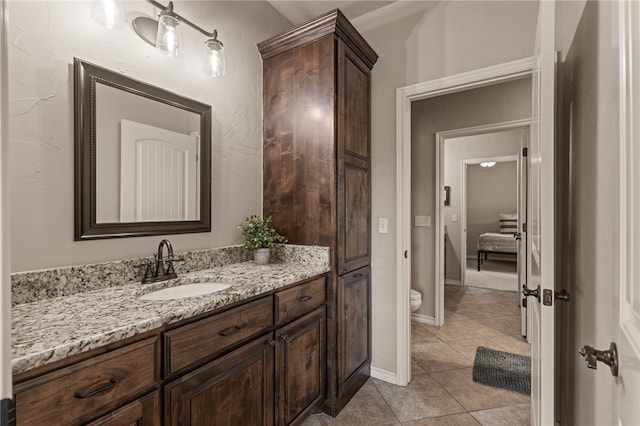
x: 186, y: 290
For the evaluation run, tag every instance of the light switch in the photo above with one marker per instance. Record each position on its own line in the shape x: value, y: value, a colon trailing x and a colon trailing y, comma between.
x: 383, y: 225
x: 422, y: 221
x: 454, y: 218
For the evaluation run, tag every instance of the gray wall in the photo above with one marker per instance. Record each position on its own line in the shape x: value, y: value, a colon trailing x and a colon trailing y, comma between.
x: 464, y: 148
x: 45, y: 37
x: 587, y: 38
x: 490, y: 191
x: 492, y: 104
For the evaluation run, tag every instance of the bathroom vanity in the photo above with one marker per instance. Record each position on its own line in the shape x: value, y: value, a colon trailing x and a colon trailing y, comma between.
x: 253, y: 353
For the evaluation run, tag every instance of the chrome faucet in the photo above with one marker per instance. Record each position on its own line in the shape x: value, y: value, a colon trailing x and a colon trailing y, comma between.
x: 159, y: 272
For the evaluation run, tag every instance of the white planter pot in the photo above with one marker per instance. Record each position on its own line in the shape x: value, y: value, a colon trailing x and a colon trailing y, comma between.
x: 261, y: 256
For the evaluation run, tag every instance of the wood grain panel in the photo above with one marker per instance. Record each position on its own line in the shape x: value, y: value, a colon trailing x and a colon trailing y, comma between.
x: 299, y: 154
x: 186, y: 346
x: 82, y: 391
x: 300, y: 367
x: 299, y: 300
x: 356, y: 93
x: 236, y: 389
x: 144, y: 411
x: 354, y: 304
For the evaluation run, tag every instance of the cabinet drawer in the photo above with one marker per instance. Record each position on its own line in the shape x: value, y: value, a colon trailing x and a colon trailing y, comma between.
x: 82, y: 391
x: 187, y: 345
x: 299, y: 300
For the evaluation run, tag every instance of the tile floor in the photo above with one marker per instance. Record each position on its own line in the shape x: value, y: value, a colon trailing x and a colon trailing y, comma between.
x: 442, y: 391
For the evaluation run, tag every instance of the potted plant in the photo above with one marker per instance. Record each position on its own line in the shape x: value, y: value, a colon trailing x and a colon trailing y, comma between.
x: 260, y: 237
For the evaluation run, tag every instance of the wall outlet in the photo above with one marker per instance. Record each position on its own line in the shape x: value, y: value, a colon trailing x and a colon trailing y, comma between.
x: 383, y: 225
x: 454, y: 218
x: 422, y: 221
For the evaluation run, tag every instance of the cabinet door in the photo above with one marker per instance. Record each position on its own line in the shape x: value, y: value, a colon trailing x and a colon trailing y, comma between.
x: 236, y: 389
x: 144, y: 411
x: 354, y: 178
x: 354, y: 330
x: 300, y: 367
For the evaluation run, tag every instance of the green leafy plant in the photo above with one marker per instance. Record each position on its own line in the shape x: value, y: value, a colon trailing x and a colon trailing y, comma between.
x: 258, y: 233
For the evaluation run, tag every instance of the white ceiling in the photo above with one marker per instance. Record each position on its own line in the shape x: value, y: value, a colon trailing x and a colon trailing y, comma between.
x: 301, y: 11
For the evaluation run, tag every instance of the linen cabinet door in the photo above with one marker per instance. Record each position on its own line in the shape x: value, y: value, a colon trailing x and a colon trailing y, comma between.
x: 354, y: 330
x: 236, y: 389
x: 301, y: 367
x: 354, y: 179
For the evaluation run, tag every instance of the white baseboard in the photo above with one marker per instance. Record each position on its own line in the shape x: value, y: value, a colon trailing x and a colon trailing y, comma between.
x: 384, y: 375
x: 424, y: 319
x: 449, y: 281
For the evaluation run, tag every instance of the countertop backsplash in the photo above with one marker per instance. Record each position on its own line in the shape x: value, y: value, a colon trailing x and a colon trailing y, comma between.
x: 33, y: 286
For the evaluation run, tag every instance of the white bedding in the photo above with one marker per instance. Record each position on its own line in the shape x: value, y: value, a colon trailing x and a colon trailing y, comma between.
x: 496, y: 242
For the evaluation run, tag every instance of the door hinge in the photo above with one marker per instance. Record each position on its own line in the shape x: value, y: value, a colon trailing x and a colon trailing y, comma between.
x: 525, y: 152
x: 524, y: 226
x: 547, y: 297
x: 524, y: 302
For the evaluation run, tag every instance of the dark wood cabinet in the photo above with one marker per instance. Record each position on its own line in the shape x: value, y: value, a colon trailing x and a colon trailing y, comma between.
x: 82, y: 391
x: 144, y: 411
x: 300, y: 367
x: 354, y: 350
x: 236, y: 389
x: 317, y: 175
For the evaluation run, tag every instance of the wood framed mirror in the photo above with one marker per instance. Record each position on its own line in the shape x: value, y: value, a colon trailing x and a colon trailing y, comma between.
x: 142, y: 158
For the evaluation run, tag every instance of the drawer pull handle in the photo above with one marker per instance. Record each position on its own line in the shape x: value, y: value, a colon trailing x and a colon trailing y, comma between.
x: 357, y: 275
x: 106, y: 387
x: 284, y: 337
x: 232, y: 330
x: 303, y: 299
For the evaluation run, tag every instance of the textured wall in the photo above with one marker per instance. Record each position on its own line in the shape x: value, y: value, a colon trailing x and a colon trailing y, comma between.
x: 43, y: 39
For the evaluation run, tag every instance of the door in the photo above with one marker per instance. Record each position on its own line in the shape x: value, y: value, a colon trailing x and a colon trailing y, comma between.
x: 236, y: 389
x: 354, y: 329
x: 164, y: 166
x: 540, y: 226
x: 523, y: 183
x: 300, y: 367
x: 628, y: 383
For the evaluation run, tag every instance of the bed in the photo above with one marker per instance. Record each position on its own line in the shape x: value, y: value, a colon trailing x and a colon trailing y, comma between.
x: 503, y: 242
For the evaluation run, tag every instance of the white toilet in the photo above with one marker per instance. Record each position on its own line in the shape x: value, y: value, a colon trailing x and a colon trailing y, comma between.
x: 415, y: 300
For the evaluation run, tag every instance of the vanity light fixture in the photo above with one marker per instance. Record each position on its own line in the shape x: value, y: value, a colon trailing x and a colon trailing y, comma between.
x: 488, y: 164
x: 165, y: 35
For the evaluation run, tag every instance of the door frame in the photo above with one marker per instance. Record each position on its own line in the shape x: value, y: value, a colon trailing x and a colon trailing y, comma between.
x: 441, y: 138
x: 404, y: 97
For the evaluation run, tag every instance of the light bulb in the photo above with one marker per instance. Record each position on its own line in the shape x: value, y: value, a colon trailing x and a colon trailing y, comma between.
x: 169, y: 36
x: 214, y: 61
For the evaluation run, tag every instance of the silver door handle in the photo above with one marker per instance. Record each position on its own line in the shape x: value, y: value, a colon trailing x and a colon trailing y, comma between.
x: 609, y: 357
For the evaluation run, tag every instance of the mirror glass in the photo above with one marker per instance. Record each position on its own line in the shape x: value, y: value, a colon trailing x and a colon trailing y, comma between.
x: 142, y: 158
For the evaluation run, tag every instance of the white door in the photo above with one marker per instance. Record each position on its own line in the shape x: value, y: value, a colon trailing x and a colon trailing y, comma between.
x: 159, y: 174
x: 628, y: 382
x: 523, y: 168
x: 540, y: 226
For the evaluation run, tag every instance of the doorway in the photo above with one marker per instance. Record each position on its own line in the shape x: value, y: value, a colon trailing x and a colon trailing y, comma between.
x: 405, y: 97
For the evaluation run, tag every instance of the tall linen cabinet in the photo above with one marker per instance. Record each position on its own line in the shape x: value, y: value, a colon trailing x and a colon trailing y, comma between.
x: 317, y: 178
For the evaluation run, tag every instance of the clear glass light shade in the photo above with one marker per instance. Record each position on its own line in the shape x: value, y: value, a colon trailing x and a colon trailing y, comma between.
x: 169, y: 36
x: 214, y: 62
x: 109, y: 14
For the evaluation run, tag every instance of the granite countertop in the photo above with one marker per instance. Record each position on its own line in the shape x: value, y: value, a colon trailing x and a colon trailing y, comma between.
x: 53, y: 329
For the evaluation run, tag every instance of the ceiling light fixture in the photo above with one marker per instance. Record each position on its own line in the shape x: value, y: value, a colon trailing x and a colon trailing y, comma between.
x: 488, y: 164
x: 165, y: 35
